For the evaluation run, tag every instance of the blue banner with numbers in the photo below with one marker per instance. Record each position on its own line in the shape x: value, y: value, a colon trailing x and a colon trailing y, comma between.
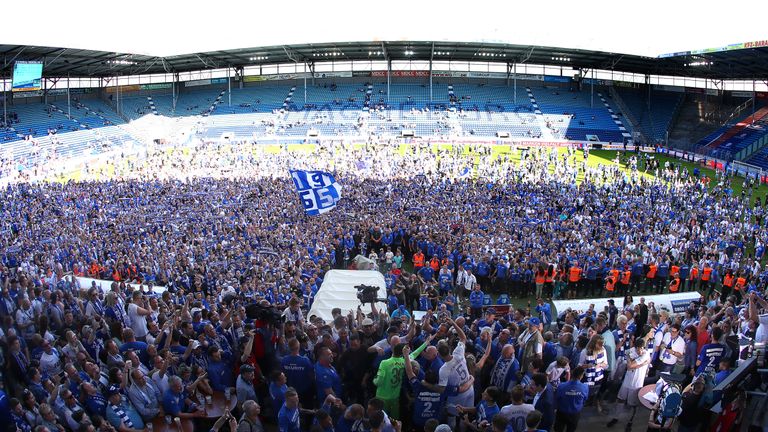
x: 318, y: 190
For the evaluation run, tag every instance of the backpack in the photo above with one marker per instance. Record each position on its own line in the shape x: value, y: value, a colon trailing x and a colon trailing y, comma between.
x: 671, y: 403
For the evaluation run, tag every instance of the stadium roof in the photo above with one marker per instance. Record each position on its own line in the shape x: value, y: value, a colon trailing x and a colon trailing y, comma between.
x: 746, y: 63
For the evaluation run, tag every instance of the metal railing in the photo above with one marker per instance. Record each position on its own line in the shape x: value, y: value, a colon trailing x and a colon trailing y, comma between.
x: 751, y: 149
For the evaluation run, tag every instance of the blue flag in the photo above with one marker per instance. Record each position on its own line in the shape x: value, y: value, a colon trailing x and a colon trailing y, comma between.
x: 318, y: 190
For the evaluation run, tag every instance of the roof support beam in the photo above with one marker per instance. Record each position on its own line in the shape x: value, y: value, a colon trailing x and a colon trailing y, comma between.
x: 386, y: 56
x: 46, y: 62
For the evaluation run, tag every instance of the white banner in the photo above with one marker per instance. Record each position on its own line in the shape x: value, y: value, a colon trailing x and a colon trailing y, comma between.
x: 494, y: 75
x: 105, y: 285
x: 675, y: 303
x: 333, y: 74
x: 197, y: 83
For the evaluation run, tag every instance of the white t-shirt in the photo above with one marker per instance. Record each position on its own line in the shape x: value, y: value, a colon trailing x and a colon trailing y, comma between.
x: 50, y: 364
x: 160, y: 382
x: 516, y: 415
x: 677, y: 345
x: 138, y: 322
x: 761, y: 335
x: 635, y: 377
x: 455, y: 373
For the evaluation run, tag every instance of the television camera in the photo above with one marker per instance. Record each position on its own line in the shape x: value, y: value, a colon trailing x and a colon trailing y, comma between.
x: 368, y: 294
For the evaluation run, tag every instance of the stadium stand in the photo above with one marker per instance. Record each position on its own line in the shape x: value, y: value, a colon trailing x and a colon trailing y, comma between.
x: 732, y: 138
x: 574, y: 115
x: 654, y: 112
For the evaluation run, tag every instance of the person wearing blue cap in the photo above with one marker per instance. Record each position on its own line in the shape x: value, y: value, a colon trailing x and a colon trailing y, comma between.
x: 121, y: 413
x: 401, y: 312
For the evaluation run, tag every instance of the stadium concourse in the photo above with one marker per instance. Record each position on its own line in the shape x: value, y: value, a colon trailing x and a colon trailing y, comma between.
x: 217, y: 230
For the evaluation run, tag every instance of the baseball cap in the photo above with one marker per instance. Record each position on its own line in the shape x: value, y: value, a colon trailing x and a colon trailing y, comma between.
x: 534, y: 321
x: 490, y: 311
x: 367, y: 322
x: 195, y: 344
x: 113, y: 390
x: 246, y: 368
x: 443, y: 428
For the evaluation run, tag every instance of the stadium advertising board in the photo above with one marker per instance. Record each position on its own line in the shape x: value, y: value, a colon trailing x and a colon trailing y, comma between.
x: 254, y: 78
x: 675, y: 303
x: 556, y: 79
x: 492, y: 75
x: 333, y: 74
x: 51, y: 92
x: 731, y: 47
x: 448, y: 74
x: 589, y: 81
x: 204, y: 82
x: 125, y: 88
x: 741, y: 94
x: 27, y: 76
x: 27, y: 94
x: 197, y: 83
x: 669, y: 88
x: 156, y: 86
x: 403, y: 74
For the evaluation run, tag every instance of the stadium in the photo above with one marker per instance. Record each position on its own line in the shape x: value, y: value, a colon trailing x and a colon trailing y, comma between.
x: 501, y: 229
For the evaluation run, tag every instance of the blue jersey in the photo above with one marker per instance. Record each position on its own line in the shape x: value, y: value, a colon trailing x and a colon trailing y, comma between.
x: 277, y: 393
x: 327, y: 377
x: 288, y: 419
x: 486, y: 412
x: 426, y: 273
x: 710, y: 357
x: 501, y: 271
x: 483, y: 269
x: 299, y: 372
x: 427, y: 404
x: 445, y: 281
x: 570, y: 397
x: 476, y: 299
x: 545, y: 313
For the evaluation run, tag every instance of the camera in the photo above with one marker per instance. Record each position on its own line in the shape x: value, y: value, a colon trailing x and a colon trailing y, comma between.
x: 267, y: 314
x: 368, y: 293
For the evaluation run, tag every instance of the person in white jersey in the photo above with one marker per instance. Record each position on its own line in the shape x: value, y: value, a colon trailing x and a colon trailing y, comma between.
x: 455, y: 373
x: 516, y: 412
x: 672, y: 349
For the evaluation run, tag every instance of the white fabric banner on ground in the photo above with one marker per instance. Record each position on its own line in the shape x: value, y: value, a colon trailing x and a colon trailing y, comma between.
x: 338, y: 291
x: 676, y: 303
x: 104, y: 285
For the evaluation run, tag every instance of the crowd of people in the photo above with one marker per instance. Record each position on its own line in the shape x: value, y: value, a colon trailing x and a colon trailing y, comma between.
x: 214, y: 268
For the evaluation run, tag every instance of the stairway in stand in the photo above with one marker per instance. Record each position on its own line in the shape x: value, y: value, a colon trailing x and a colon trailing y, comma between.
x: 615, y: 117
x: 546, y: 132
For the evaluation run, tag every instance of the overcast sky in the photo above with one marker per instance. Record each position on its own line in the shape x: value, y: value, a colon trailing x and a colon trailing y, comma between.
x: 168, y: 27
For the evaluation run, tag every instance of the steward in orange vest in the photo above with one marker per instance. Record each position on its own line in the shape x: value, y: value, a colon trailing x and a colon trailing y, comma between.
x: 418, y: 261
x: 610, y: 281
x: 674, y: 284
x: 574, y: 275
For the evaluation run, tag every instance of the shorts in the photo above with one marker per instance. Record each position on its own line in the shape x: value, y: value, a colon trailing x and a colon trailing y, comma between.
x: 466, y: 399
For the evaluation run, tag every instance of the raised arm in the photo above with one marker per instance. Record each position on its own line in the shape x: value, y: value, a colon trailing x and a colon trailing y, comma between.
x: 421, y: 348
x: 486, y: 354
x: 248, y: 347
x: 408, y: 367
x: 459, y: 331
